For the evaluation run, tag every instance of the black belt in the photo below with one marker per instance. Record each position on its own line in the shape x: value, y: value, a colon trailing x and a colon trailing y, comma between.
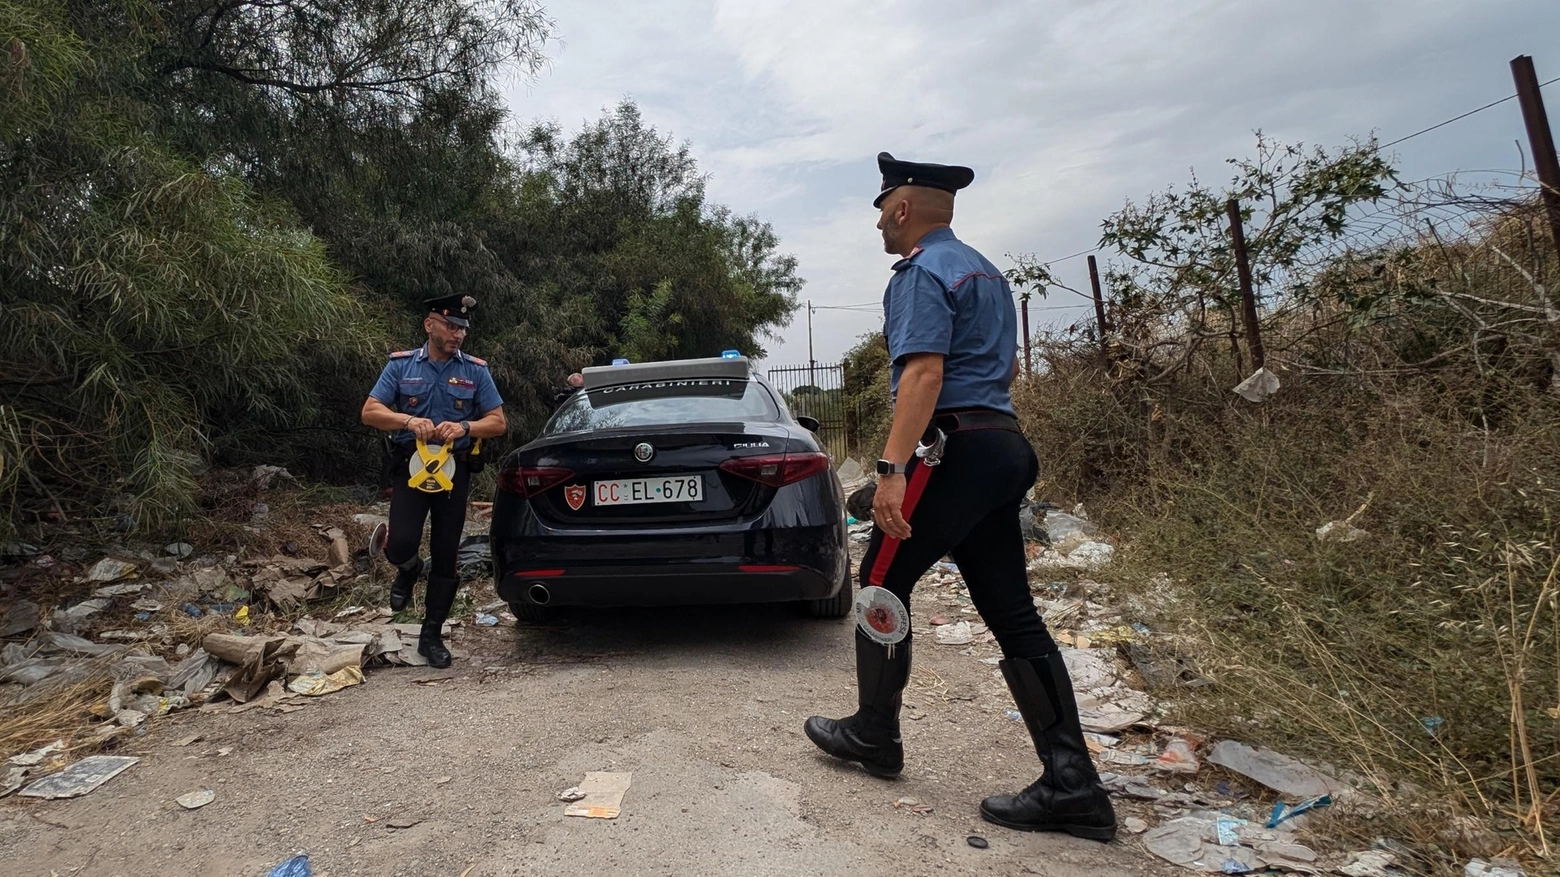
x: 960, y: 420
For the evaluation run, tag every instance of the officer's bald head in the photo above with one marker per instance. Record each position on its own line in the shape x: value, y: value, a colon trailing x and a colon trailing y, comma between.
x: 909, y: 212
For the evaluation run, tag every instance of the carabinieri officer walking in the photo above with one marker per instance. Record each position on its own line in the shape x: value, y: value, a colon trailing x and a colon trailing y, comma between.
x: 443, y: 402
x: 953, y: 340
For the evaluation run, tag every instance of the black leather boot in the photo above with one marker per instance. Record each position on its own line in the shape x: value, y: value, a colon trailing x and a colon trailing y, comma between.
x: 871, y: 736
x: 1068, y: 796
x: 430, y: 644
x: 406, y: 576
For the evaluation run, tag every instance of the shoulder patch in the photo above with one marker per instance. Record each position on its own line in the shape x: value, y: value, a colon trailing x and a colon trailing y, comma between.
x: 474, y: 360
x: 402, y: 354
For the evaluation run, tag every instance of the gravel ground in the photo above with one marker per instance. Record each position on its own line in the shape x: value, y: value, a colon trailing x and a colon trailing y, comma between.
x: 422, y: 772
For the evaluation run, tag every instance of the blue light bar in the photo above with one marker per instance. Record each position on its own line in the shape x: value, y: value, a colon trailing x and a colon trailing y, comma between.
x: 730, y: 354
x: 620, y: 362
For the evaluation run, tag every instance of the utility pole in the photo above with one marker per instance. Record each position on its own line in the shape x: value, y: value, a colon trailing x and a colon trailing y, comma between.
x: 1248, y: 296
x: 1099, y: 303
x: 812, y: 364
x: 1540, y: 138
x: 1023, y: 303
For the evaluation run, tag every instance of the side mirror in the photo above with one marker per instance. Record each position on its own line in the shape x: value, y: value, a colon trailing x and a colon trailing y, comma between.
x: 810, y: 424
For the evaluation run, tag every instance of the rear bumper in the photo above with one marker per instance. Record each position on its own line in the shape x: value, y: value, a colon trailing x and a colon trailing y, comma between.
x: 671, y: 585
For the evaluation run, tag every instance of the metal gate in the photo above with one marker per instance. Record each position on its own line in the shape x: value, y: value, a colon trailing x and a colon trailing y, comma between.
x: 817, y: 390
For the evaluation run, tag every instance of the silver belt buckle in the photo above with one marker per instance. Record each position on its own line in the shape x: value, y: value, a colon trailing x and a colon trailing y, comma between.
x: 932, y: 454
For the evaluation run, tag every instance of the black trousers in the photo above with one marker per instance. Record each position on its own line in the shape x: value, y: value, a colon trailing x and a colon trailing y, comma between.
x: 410, y: 507
x: 968, y: 506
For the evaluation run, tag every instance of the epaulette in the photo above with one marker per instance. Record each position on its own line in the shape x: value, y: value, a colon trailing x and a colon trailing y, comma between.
x: 904, y: 263
x: 402, y: 354
x: 474, y: 360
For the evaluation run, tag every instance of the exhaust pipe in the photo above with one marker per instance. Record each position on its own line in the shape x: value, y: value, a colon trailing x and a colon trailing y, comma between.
x: 539, y: 594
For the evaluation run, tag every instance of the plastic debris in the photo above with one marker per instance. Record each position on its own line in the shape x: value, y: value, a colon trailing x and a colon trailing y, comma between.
x: 958, y: 634
x: 192, y: 610
x: 81, y: 778
x: 118, y: 590
x: 297, y: 866
x: 24, y: 616
x: 1284, y: 812
x: 110, y: 570
x: 604, y: 791
x: 1258, y: 387
x: 196, y: 800
x: 316, y: 683
x: 1278, y: 772
x: 1178, y: 758
x: 977, y: 842
x: 486, y: 620
x: 1339, y: 531
x: 1225, y: 845
x: 1371, y: 863
x: 180, y: 550
x: 571, y: 794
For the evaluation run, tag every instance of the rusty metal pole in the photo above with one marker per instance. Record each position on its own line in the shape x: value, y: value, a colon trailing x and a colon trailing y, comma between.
x: 1099, y: 301
x: 1248, y: 296
x: 1023, y: 304
x: 1540, y: 138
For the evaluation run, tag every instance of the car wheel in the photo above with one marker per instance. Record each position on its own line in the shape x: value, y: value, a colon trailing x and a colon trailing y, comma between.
x: 532, y: 613
x: 837, y: 606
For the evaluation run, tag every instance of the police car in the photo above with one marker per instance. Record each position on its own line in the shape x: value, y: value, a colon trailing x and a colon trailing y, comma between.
x: 671, y: 483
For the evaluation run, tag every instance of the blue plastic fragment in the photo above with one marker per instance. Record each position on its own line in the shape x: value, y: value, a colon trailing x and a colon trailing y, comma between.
x: 191, y: 610
x: 851, y: 520
x: 1432, y: 724
x: 1141, y: 628
x: 1015, y: 715
x: 297, y: 866
x: 1284, y: 812
x: 143, y: 616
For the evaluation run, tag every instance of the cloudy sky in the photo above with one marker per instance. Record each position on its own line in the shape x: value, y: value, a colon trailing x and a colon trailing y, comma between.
x: 1064, y: 109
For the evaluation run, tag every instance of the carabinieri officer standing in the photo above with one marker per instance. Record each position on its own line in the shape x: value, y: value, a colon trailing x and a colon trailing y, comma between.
x: 953, y: 341
x: 443, y: 402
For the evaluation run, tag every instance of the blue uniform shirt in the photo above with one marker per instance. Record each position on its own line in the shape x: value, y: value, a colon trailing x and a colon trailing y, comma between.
x: 946, y: 298
x: 457, y: 389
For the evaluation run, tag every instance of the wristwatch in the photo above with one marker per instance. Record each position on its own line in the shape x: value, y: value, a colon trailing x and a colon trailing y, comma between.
x: 467, y: 425
x: 886, y: 468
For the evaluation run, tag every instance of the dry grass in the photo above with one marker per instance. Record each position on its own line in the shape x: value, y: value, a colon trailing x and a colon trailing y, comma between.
x: 49, y: 711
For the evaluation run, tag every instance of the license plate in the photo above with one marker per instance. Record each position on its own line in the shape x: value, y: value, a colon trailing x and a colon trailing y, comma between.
x: 635, y: 491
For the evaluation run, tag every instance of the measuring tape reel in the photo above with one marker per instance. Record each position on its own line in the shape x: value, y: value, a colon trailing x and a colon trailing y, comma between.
x: 432, y: 468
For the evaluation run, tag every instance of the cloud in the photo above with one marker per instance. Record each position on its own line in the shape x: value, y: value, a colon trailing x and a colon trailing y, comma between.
x: 1064, y: 108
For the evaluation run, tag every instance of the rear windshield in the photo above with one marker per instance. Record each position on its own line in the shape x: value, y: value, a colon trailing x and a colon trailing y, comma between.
x: 715, y: 400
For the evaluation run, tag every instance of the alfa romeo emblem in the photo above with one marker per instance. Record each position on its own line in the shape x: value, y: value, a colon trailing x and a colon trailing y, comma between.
x: 643, y: 452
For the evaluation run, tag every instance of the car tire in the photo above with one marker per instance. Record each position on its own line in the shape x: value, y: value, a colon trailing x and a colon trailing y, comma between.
x: 837, y: 606
x: 532, y: 613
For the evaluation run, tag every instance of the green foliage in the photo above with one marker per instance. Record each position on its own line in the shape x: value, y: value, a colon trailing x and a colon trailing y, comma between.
x: 218, y: 216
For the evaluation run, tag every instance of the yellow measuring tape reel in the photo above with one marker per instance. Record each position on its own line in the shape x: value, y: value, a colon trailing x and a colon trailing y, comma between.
x: 432, y: 468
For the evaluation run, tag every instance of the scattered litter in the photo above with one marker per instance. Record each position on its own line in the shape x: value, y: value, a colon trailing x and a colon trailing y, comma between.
x: 192, y: 610
x: 486, y: 620
x: 1432, y: 724
x: 1223, y: 844
x: 1278, y: 772
x: 403, y: 823
x: 14, y: 779
x: 36, y: 757
x: 316, y: 683
x: 1123, y: 757
x: 1178, y: 758
x: 81, y: 778
x: 1496, y: 868
x: 1284, y: 812
x: 443, y: 781
x: 1339, y: 531
x: 23, y: 617
x: 1134, y: 825
x: 977, y: 842
x: 265, y: 475
x: 959, y: 634
x: 1371, y: 863
x: 1127, y: 786
x: 1066, y: 532
x: 118, y: 590
x: 1093, y: 554
x: 297, y: 866
x: 180, y: 550
x: 604, y: 791
x: 146, y: 604
x: 1258, y: 387
x: 1015, y: 715
x: 571, y: 794
x: 110, y: 570
x: 196, y: 800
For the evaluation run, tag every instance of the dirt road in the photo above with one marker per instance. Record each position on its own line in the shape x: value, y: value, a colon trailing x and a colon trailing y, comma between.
x: 704, y: 707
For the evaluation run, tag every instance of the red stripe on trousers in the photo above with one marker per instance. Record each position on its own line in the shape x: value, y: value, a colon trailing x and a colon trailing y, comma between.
x: 890, y: 546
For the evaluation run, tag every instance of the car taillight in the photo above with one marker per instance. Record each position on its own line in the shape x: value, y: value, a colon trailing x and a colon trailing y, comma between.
x: 777, y: 470
x: 529, y: 481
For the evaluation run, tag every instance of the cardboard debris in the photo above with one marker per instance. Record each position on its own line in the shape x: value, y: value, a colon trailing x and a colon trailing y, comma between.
x: 81, y: 778
x: 604, y: 793
x: 259, y: 660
